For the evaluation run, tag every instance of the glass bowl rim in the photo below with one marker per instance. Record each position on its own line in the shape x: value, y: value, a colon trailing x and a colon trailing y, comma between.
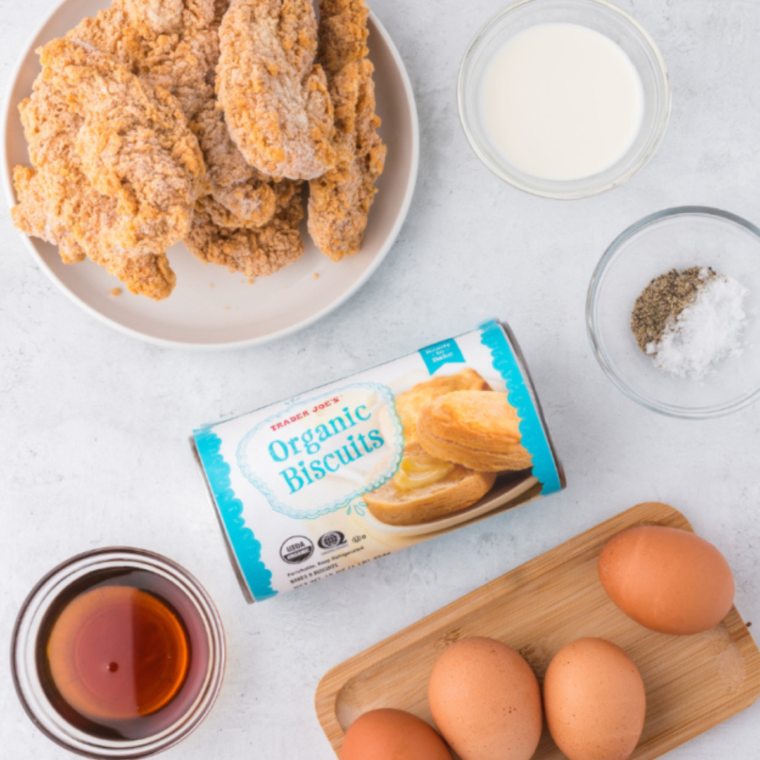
x: 217, y: 666
x: 592, y: 318
x: 499, y: 169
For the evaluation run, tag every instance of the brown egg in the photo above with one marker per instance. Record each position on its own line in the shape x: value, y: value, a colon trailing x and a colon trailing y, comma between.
x: 667, y: 579
x: 388, y: 734
x: 485, y: 701
x: 594, y: 701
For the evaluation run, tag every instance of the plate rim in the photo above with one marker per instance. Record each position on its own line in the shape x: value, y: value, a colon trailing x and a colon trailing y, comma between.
x: 443, y: 524
x: 8, y: 107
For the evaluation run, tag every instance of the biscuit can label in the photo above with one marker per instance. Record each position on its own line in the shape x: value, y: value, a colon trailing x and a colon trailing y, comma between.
x: 321, y: 454
x: 371, y: 464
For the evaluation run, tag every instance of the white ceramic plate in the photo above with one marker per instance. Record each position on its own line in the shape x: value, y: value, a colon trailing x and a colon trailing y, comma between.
x: 210, y: 307
x: 488, y: 503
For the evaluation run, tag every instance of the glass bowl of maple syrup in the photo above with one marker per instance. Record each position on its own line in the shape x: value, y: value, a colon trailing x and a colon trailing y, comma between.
x: 118, y: 653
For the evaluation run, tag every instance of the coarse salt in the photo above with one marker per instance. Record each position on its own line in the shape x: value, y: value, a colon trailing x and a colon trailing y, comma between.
x: 706, y: 332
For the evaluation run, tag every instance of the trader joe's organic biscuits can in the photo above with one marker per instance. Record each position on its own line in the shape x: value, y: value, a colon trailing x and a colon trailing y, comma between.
x: 370, y: 464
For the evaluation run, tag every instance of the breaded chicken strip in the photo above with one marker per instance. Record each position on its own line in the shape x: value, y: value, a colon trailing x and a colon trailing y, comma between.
x: 340, y: 199
x: 144, y: 275
x: 255, y: 252
x: 116, y: 170
x: 273, y: 95
x: 174, y: 44
x: 40, y: 211
x: 243, y: 190
x: 171, y: 44
x: 163, y: 16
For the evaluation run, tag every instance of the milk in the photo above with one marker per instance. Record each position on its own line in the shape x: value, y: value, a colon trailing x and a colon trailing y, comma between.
x: 561, y: 101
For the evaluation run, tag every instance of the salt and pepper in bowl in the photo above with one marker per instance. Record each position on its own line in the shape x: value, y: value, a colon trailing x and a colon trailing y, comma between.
x: 672, y: 312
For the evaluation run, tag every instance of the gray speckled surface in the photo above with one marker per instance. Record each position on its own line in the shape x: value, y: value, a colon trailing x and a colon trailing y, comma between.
x: 93, y: 425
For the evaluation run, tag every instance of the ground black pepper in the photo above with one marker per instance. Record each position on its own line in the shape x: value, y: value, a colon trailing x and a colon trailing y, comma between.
x: 663, y: 300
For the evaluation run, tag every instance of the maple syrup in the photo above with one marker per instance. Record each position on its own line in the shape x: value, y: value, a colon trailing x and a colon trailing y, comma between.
x: 122, y: 653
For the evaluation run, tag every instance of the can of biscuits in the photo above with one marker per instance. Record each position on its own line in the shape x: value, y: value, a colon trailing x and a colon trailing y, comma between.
x: 343, y: 474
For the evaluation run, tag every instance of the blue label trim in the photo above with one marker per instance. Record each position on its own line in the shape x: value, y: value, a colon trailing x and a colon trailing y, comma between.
x: 445, y: 352
x: 531, y: 430
x: 247, y: 549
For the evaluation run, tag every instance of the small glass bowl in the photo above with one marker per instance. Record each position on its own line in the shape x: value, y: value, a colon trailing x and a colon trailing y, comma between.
x: 28, y: 627
x: 676, y: 238
x: 602, y: 17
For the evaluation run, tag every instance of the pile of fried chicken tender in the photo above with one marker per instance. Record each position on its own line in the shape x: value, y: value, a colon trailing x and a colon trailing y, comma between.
x: 201, y: 120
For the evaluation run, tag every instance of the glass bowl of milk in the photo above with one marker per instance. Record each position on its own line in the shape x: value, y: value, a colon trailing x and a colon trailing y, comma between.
x: 563, y: 98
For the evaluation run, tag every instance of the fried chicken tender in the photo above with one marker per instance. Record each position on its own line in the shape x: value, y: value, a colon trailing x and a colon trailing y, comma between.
x: 340, y: 200
x: 116, y: 171
x: 36, y: 214
x: 162, y: 16
x: 149, y: 275
x: 273, y: 95
x: 174, y: 44
x: 256, y: 252
x: 234, y: 183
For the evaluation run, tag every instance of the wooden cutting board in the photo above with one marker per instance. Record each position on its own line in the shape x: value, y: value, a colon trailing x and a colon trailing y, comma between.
x: 692, y: 682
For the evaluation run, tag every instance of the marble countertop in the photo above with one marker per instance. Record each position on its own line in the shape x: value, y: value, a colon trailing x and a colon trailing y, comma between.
x: 94, y: 424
